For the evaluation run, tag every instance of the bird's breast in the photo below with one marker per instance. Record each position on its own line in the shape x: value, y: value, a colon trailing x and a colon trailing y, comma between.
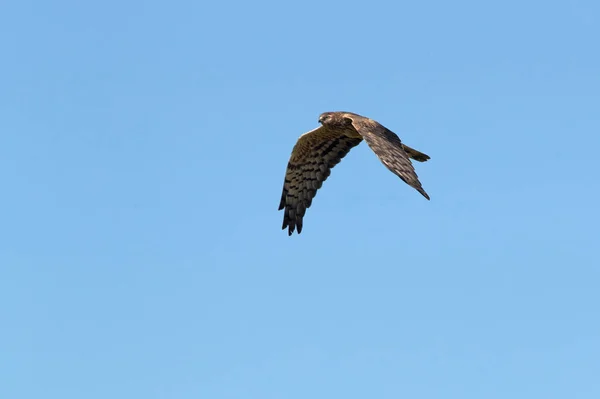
x: 351, y: 132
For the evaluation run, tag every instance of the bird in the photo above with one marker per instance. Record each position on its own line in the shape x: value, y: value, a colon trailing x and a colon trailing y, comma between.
x: 319, y: 150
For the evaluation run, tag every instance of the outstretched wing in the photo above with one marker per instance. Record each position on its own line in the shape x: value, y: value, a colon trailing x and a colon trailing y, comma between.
x: 313, y: 156
x: 390, y: 150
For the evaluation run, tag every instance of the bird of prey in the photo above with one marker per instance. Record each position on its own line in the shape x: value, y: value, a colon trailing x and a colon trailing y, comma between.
x: 319, y: 150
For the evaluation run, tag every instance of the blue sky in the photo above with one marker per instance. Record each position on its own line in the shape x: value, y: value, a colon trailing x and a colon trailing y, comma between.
x: 142, y: 153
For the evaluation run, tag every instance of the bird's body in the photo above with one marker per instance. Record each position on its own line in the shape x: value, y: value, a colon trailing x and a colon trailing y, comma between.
x: 319, y: 150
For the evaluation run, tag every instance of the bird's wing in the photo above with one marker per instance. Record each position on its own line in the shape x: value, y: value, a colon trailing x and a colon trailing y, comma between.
x: 389, y: 149
x: 313, y: 156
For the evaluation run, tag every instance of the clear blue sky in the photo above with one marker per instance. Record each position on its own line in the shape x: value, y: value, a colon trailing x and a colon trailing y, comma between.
x: 142, y: 153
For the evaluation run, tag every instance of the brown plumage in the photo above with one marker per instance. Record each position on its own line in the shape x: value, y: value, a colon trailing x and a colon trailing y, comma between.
x: 319, y: 150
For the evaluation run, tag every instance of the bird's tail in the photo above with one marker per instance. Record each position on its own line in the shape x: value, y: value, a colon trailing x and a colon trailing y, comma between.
x: 414, y: 154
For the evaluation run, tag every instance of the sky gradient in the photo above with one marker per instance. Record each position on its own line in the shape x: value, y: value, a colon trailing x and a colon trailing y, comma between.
x: 142, y: 152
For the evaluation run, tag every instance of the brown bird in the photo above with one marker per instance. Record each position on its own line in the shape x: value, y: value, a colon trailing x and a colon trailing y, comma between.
x: 319, y: 150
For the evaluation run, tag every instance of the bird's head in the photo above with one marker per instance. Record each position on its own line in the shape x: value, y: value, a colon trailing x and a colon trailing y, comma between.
x: 334, y: 119
x: 325, y: 117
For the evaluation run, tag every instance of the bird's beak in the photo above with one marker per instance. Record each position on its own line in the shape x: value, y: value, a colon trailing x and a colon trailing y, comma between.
x: 321, y: 120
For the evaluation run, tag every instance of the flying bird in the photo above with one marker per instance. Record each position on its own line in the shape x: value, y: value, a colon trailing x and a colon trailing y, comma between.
x: 319, y: 150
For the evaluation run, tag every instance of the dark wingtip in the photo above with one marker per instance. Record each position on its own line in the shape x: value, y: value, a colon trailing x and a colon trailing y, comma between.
x: 292, y: 227
x: 282, y: 201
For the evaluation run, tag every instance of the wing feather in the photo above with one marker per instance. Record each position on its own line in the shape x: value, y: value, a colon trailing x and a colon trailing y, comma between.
x: 310, y: 164
x: 391, y: 152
